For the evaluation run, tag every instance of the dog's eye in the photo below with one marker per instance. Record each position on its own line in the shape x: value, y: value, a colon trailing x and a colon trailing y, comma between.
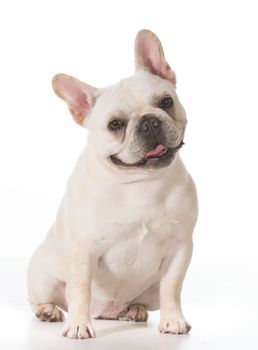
x: 116, y: 124
x: 166, y: 102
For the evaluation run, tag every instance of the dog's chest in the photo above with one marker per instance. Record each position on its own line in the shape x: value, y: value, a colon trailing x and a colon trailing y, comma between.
x: 138, y: 250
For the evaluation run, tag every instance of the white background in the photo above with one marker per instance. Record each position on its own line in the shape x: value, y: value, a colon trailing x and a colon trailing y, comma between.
x: 212, y: 46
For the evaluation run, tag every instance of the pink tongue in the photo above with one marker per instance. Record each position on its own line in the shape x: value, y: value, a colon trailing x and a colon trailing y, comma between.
x: 156, y: 151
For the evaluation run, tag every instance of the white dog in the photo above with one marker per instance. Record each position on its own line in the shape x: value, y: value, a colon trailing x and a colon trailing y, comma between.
x: 122, y: 240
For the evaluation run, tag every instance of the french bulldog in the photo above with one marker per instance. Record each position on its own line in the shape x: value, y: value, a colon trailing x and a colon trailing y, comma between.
x: 122, y: 240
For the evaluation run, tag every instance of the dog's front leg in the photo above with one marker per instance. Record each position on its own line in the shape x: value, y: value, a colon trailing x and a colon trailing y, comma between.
x: 78, y: 293
x: 171, y: 316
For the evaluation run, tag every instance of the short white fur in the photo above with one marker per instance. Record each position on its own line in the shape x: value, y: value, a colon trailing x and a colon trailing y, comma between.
x: 122, y: 240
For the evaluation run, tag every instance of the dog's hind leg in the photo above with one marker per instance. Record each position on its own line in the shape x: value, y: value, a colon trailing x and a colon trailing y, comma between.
x: 48, y: 312
x: 136, y: 313
x: 45, y: 292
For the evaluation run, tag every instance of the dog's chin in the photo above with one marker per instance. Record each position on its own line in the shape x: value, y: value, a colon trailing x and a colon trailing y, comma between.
x: 153, y: 162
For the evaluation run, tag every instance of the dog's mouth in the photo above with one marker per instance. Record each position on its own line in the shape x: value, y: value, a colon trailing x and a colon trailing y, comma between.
x: 159, y: 156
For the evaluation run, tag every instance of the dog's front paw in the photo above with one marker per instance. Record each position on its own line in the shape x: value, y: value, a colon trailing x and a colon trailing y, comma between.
x: 174, y: 325
x: 78, y: 329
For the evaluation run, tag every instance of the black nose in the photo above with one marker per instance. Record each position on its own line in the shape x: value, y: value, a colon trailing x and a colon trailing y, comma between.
x: 149, y: 124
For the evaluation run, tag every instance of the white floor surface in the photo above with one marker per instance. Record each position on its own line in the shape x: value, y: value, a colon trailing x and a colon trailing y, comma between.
x: 226, y: 319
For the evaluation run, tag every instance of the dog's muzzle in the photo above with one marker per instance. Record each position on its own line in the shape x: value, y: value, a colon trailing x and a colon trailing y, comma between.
x: 162, y: 154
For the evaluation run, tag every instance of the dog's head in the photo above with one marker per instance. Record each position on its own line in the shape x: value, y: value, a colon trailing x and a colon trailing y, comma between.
x: 137, y: 124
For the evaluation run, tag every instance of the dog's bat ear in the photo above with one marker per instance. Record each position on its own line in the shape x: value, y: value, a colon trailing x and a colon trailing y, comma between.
x: 79, y: 96
x: 149, y: 56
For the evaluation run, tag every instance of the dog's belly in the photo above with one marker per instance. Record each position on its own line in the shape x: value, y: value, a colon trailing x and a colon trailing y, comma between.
x: 127, y: 270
